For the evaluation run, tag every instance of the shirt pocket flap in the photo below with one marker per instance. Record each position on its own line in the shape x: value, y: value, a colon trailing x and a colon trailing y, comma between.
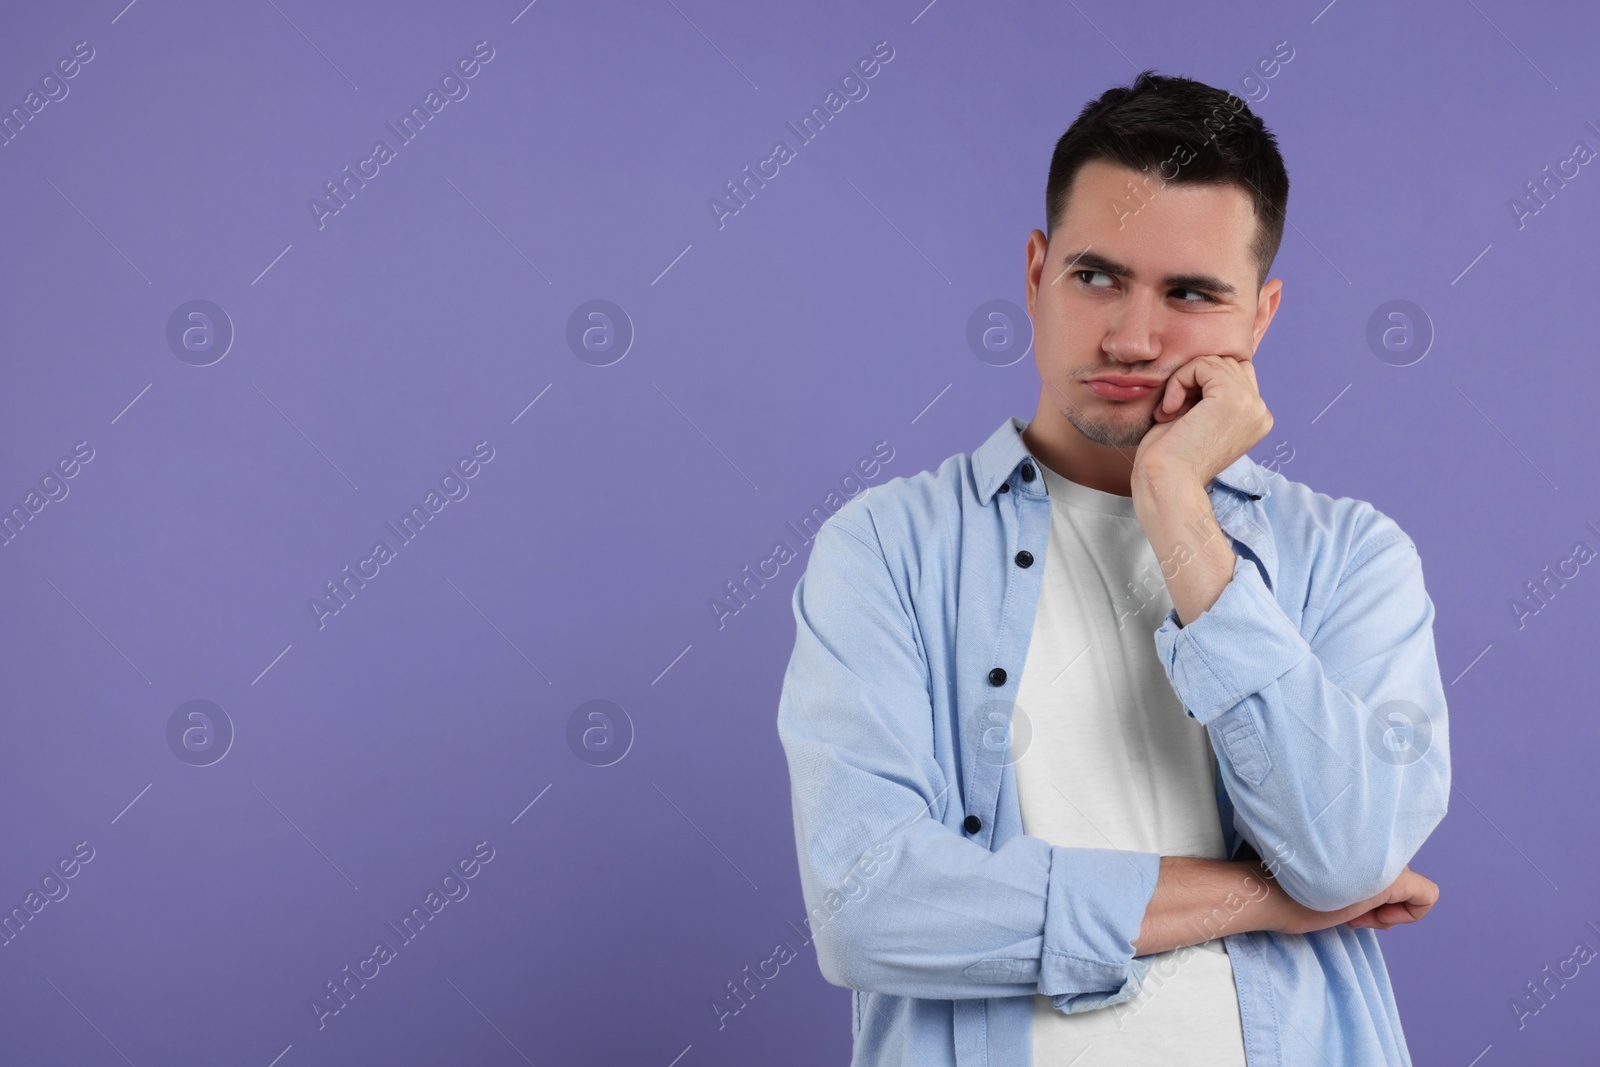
x: 1008, y: 970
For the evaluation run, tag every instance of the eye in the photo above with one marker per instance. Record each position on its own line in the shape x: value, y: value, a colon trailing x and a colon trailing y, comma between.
x: 1082, y: 275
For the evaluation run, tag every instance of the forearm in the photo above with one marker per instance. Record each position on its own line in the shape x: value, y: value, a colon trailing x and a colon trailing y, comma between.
x: 1197, y: 900
x: 1196, y: 559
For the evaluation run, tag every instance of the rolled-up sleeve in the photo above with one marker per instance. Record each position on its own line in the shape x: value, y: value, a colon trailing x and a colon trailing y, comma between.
x: 902, y: 903
x: 1088, y: 959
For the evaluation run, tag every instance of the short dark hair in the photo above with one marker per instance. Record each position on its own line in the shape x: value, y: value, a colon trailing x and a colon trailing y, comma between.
x: 1203, y: 134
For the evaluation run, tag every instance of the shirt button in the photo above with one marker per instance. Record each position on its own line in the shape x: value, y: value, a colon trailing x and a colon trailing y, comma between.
x: 997, y: 676
x: 1027, y: 472
x: 972, y: 824
x: 1005, y: 487
x: 1255, y: 496
x: 1024, y: 558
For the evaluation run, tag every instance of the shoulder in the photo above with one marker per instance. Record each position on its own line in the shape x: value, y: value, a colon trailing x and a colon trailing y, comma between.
x: 910, y: 511
x: 1333, y: 535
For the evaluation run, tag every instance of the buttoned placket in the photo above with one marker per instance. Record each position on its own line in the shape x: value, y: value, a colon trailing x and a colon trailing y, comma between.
x: 1027, y: 509
x: 1025, y: 514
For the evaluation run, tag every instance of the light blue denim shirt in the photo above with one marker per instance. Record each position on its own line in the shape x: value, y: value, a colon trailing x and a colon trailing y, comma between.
x: 1314, y: 674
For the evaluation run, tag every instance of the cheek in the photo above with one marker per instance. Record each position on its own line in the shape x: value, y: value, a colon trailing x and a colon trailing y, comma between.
x: 1071, y: 330
x: 1203, y: 334
x: 1065, y: 349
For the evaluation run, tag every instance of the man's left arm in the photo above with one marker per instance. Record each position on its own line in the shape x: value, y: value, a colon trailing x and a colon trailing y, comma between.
x: 1334, y: 750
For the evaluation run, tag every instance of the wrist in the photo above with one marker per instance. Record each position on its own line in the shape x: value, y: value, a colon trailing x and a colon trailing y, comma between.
x: 1159, y: 478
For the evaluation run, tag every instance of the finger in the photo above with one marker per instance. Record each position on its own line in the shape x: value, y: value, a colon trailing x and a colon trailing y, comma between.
x: 1397, y: 913
x: 1174, y: 393
x: 1422, y: 897
x: 1201, y: 372
x: 1160, y: 411
x: 1236, y: 369
x: 1187, y: 379
x: 1200, y: 377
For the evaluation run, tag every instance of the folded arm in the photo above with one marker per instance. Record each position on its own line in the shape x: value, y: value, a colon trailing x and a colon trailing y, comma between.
x: 1334, y: 750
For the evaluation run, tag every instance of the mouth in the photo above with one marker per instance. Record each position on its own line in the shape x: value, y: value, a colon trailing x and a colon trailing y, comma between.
x: 1122, y: 387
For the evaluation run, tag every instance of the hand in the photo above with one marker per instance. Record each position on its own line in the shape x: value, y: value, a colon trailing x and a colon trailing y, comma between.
x: 1406, y: 900
x: 1196, y: 436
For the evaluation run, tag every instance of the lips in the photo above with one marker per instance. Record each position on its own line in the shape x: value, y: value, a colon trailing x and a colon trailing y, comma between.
x: 1123, y: 386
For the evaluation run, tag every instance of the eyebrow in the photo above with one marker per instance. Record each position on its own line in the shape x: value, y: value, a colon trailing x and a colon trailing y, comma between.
x: 1087, y: 260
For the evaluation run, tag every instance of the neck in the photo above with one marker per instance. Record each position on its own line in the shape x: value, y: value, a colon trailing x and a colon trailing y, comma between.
x: 1058, y: 444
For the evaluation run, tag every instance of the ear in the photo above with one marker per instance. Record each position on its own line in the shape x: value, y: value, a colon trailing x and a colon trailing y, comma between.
x: 1035, y: 252
x: 1266, y: 307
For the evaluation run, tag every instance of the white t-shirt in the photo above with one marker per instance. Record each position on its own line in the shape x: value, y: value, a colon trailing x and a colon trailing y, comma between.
x: 1114, y: 762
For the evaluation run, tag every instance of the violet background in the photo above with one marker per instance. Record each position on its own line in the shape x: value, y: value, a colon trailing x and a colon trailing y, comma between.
x: 770, y: 355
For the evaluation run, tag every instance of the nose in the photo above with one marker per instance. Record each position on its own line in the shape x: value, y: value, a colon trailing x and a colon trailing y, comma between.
x: 1133, y: 334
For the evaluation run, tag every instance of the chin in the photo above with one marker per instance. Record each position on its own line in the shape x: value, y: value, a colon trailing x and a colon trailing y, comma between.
x: 1115, y: 434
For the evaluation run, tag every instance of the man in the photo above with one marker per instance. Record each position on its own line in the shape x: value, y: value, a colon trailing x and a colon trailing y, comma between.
x: 1107, y: 744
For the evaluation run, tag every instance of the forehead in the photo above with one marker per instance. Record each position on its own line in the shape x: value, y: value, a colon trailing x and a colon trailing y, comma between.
x: 1128, y: 215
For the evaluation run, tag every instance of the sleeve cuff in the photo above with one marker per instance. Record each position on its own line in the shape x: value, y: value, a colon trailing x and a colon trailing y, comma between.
x: 1094, y: 910
x: 1240, y: 645
x: 1072, y: 1003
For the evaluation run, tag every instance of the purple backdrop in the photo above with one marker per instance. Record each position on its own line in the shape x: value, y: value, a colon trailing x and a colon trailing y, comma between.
x: 241, y: 346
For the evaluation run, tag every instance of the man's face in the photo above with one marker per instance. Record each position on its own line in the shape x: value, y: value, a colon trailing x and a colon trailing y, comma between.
x: 1138, y: 286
